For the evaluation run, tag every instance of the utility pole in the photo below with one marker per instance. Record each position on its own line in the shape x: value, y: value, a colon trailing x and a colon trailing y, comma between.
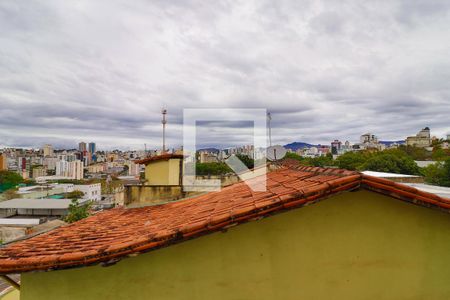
x: 164, y: 122
x: 269, y: 118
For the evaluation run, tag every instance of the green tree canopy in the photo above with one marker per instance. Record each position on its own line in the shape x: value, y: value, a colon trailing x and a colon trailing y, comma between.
x: 213, y: 168
x: 77, y: 211
x: 438, y: 173
x: 9, y: 179
x: 391, y: 163
x: 76, y: 194
x: 352, y: 160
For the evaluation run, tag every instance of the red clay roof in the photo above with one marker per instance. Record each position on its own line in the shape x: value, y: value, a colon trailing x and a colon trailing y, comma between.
x: 117, y: 233
x: 166, y: 156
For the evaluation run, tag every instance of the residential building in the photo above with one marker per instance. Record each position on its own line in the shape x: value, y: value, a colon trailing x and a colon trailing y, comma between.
x: 335, y: 146
x: 97, y: 168
x: 207, y: 157
x: 91, y: 192
x: 422, y: 139
x: 315, y: 234
x: 72, y: 169
x: 48, y: 150
x: 92, y: 148
x: 368, y: 138
x: 39, y: 172
x: 82, y: 147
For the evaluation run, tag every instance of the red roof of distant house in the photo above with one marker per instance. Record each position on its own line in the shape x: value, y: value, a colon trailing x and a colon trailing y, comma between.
x: 117, y: 233
x: 166, y: 156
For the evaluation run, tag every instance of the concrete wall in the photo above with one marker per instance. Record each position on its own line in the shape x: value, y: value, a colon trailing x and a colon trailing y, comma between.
x: 357, y: 245
x: 8, y: 233
x: 150, y: 194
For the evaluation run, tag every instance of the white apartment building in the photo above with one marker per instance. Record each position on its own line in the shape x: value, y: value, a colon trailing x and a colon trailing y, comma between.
x: 91, y: 192
x: 72, y: 169
x: 48, y: 150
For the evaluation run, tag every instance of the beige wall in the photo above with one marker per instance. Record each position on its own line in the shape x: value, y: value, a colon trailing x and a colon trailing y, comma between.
x: 164, y: 172
x: 358, y: 245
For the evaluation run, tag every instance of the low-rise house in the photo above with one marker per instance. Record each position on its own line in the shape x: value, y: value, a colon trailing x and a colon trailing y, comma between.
x: 370, y: 238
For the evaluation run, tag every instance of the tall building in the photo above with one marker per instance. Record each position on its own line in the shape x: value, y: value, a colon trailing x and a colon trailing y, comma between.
x: 335, y: 146
x: 421, y: 139
x: 368, y: 138
x: 72, y: 169
x: 82, y: 147
x: 92, y: 149
x: 48, y: 150
x: 3, y: 162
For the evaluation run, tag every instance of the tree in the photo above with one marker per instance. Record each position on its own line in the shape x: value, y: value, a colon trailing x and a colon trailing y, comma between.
x: 213, y: 168
x: 391, y: 163
x: 9, y: 179
x: 10, y: 194
x: 352, y: 160
x: 322, y: 161
x: 247, y: 161
x: 438, y: 173
x: 77, y: 211
x: 76, y: 194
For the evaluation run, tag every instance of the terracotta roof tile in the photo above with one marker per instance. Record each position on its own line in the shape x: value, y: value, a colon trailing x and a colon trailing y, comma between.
x: 121, y: 232
x: 158, y: 157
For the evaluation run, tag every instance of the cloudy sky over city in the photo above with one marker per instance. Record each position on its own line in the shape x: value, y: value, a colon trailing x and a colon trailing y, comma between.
x: 102, y: 70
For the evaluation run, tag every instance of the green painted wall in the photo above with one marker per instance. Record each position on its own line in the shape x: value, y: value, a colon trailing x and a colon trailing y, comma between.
x: 354, y: 246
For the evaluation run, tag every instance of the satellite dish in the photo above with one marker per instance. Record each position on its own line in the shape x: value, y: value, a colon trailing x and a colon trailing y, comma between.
x: 275, y: 153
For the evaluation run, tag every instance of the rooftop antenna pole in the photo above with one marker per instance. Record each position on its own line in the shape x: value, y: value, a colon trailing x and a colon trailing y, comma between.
x: 164, y: 122
x: 269, y: 118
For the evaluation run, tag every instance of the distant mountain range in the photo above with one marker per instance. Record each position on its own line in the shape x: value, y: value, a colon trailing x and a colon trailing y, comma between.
x: 298, y: 145
x: 388, y: 143
x: 211, y: 150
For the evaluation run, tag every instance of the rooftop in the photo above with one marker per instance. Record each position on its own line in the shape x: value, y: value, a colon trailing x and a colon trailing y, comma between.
x: 118, y: 233
x: 36, y: 203
x: 159, y: 157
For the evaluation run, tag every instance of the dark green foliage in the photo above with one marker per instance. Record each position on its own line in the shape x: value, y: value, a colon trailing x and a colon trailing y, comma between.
x: 78, y: 212
x: 391, y: 163
x: 438, y: 173
x: 248, y: 162
x: 214, y: 168
x: 352, y: 160
x: 75, y: 195
x: 9, y: 179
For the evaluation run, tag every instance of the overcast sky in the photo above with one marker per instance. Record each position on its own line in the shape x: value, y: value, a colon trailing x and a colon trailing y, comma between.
x: 102, y: 70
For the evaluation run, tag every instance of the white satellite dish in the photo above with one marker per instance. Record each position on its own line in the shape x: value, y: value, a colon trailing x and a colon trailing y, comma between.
x: 275, y: 153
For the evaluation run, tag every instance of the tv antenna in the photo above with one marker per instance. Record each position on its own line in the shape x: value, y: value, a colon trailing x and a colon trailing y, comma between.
x: 269, y: 119
x: 164, y: 122
x: 275, y: 153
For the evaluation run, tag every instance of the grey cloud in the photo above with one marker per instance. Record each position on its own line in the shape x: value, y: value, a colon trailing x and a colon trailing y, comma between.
x: 103, y: 70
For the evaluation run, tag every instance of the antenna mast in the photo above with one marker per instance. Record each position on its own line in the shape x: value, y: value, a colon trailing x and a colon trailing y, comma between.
x: 269, y: 118
x: 164, y: 122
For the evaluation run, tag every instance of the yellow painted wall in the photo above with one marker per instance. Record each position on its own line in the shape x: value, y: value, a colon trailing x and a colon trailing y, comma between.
x: 354, y: 246
x: 163, y: 172
x: 11, y: 295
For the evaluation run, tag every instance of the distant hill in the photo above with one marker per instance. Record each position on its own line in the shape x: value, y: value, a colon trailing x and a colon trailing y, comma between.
x: 388, y: 143
x: 213, y: 150
x: 298, y: 145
